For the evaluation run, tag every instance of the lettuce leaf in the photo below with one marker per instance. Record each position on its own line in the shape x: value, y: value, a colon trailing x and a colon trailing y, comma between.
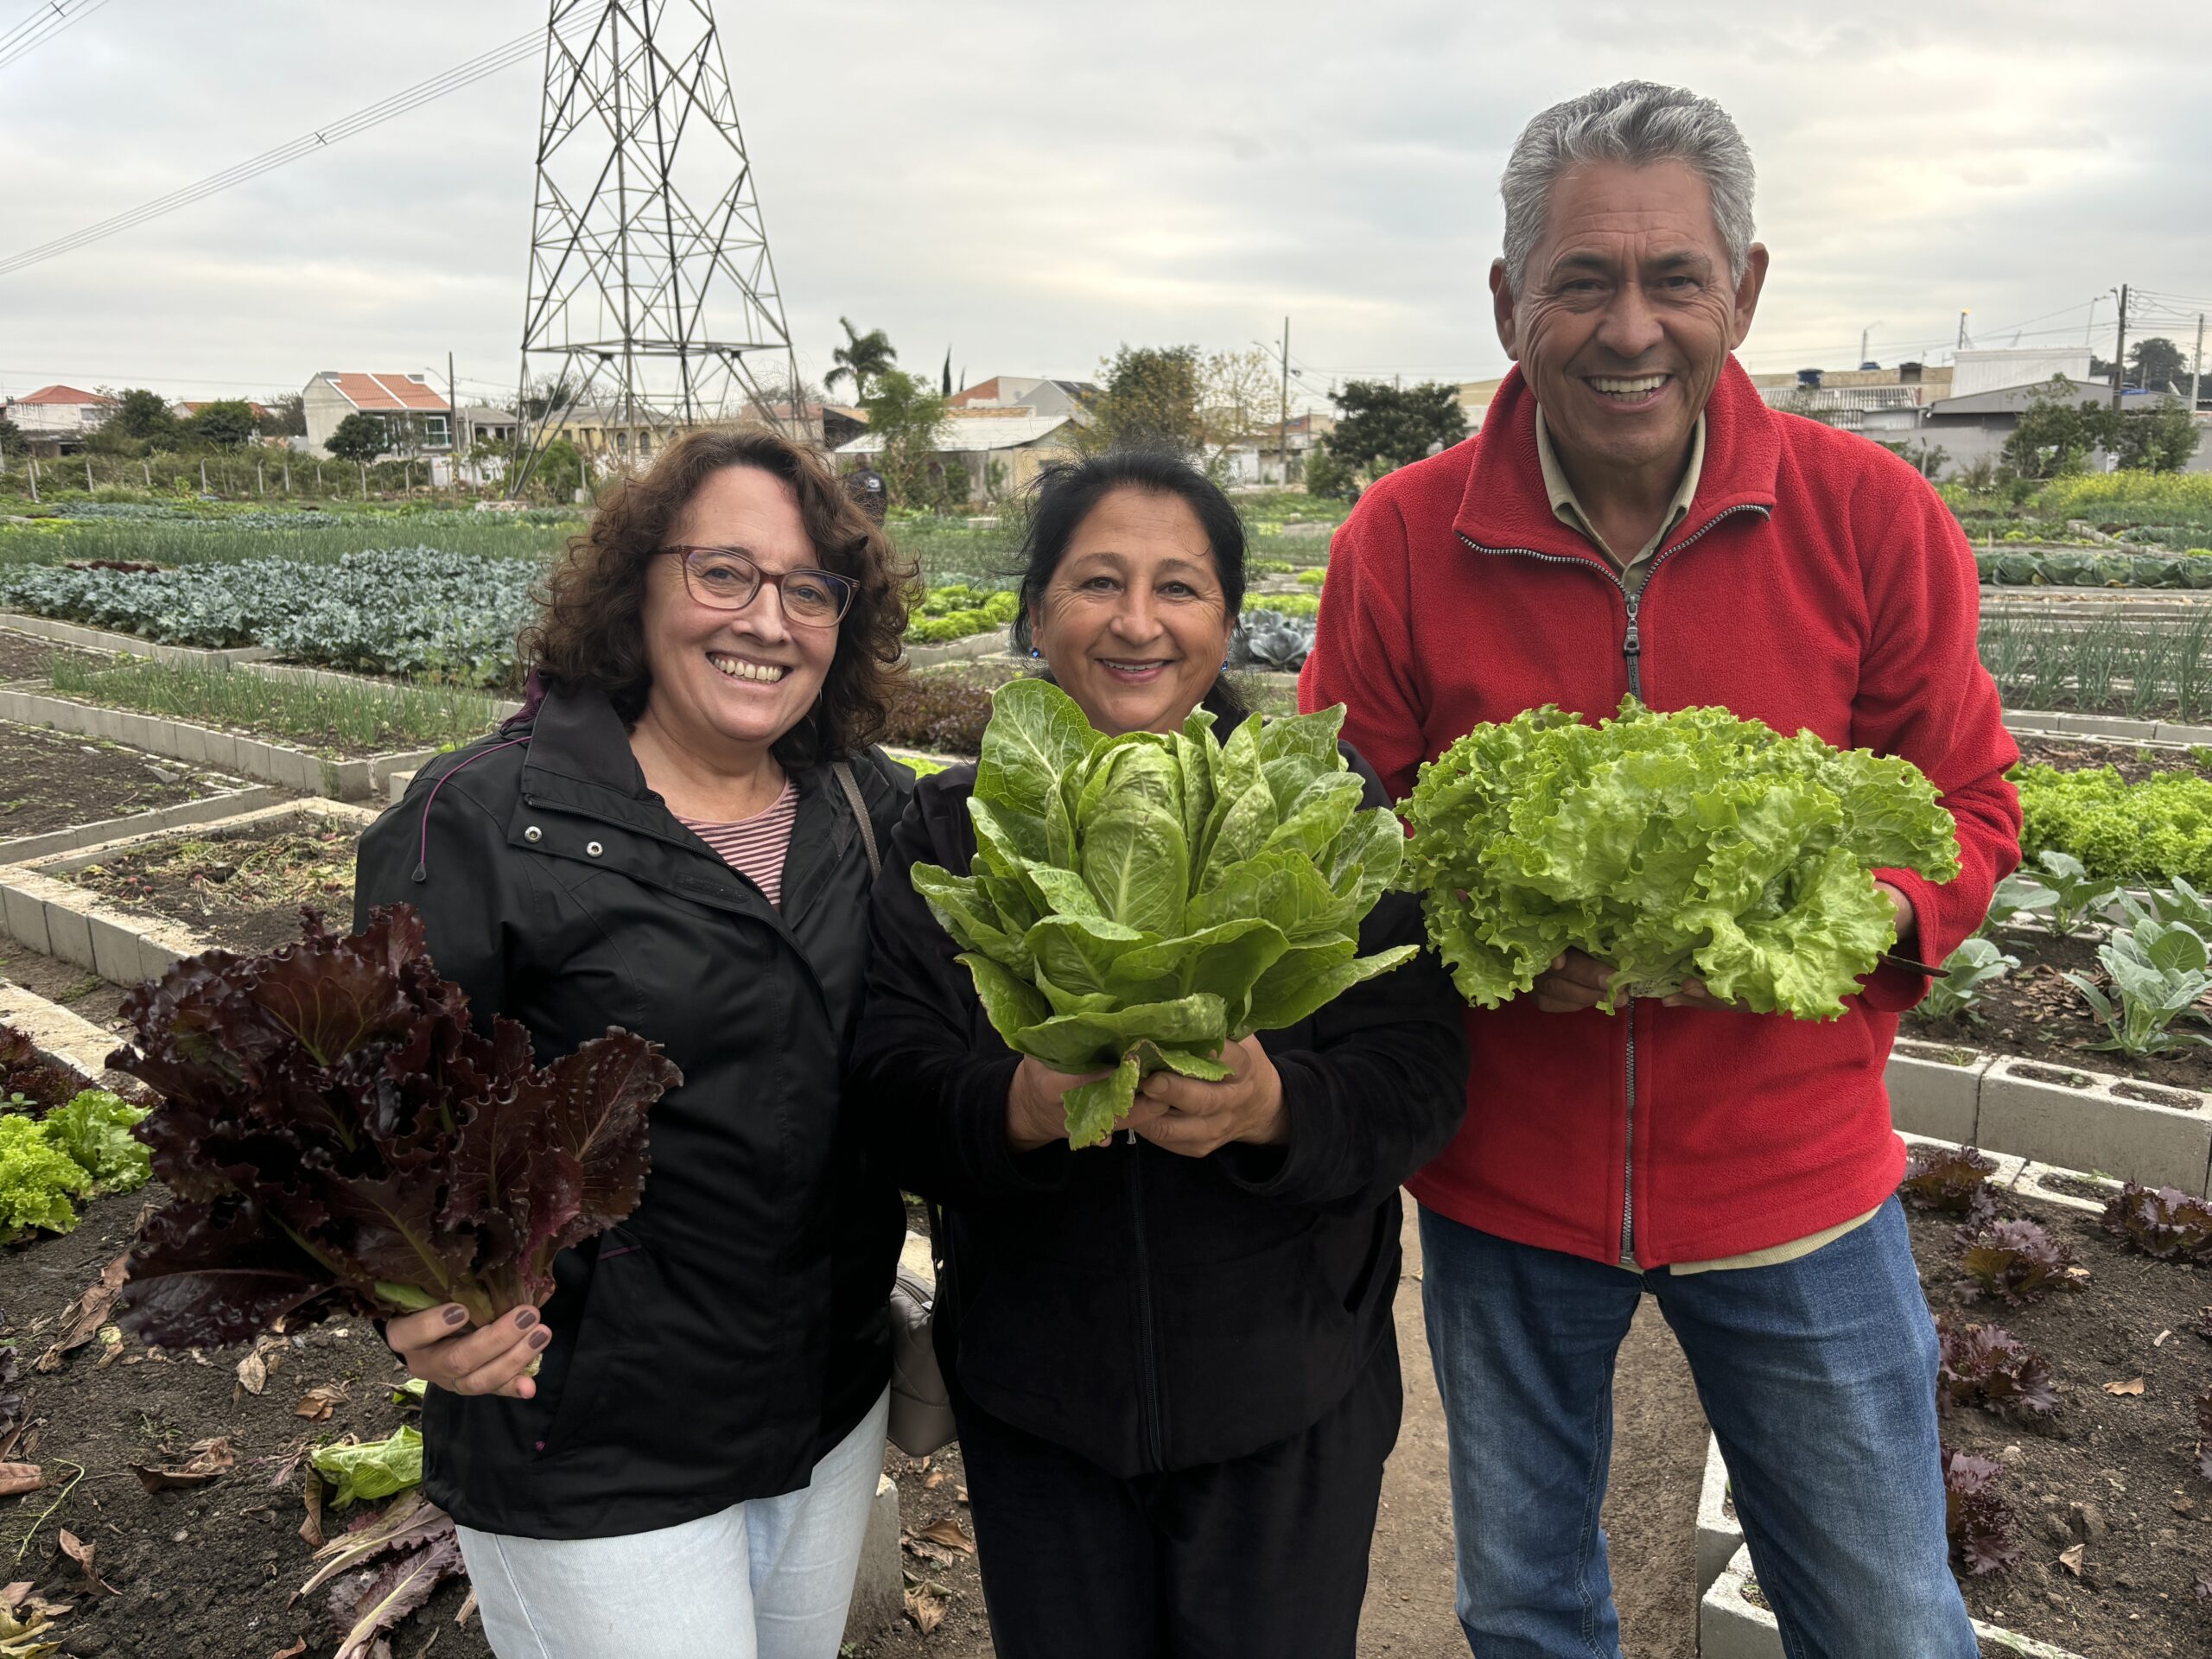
x: 332, y: 1126
x: 1136, y: 902
x: 1690, y: 845
x: 373, y: 1470
x: 95, y: 1128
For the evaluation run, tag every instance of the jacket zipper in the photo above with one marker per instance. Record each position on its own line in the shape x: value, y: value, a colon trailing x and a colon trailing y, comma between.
x: 1149, y: 1411
x: 1632, y: 660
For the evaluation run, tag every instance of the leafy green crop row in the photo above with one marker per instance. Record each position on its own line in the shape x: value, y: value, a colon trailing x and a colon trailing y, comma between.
x: 2091, y: 570
x: 418, y: 613
x: 2149, y: 832
x: 75, y: 1151
x: 956, y: 610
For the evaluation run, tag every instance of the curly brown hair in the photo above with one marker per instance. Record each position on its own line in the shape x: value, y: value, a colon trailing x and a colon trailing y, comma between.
x: 589, y: 634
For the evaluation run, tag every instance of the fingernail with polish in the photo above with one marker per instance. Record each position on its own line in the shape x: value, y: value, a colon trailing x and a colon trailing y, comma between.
x: 525, y: 1318
x: 540, y: 1336
x: 456, y: 1316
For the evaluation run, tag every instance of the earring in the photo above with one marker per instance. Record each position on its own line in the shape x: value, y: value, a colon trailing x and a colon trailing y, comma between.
x: 1034, y: 651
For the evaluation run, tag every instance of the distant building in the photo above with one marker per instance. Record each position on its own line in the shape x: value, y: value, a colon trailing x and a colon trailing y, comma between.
x: 1037, y: 395
x: 56, y: 418
x: 1016, y: 444
x: 185, y: 411
x: 1258, y: 458
x: 410, y: 407
x: 1978, y: 371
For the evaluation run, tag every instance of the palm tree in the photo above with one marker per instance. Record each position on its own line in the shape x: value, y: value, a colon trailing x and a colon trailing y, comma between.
x: 861, y: 358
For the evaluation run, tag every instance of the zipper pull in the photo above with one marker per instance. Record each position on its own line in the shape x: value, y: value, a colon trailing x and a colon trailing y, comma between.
x: 1632, y: 645
x: 1132, y: 1133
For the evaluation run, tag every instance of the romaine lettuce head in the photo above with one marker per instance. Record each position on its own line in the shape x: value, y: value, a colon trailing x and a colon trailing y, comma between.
x: 1690, y: 845
x: 1137, y: 901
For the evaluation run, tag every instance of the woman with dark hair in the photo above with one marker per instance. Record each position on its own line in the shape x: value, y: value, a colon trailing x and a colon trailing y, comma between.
x: 678, y: 836
x: 1172, y: 1358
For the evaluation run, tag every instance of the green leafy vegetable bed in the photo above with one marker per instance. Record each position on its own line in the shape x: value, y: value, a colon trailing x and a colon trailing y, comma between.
x: 2149, y: 832
x: 1137, y: 901
x: 1673, y: 846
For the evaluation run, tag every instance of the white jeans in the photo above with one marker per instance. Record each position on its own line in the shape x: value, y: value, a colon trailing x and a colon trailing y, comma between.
x: 768, y: 1578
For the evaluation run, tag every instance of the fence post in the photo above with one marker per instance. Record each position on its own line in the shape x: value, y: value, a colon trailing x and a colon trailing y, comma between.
x: 203, y: 474
x: 147, y: 468
x: 287, y: 474
x: 258, y: 489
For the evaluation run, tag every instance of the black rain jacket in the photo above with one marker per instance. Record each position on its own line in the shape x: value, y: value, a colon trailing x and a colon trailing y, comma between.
x: 1149, y: 1311
x: 713, y: 1346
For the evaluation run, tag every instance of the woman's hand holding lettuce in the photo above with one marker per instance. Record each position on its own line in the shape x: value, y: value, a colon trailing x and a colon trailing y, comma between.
x: 1690, y: 846
x: 1137, y: 902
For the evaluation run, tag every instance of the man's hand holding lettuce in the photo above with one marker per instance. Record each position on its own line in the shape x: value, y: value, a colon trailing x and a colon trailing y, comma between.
x: 1136, y: 902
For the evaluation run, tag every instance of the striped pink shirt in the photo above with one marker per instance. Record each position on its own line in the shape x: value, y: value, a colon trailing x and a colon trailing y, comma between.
x: 755, y: 847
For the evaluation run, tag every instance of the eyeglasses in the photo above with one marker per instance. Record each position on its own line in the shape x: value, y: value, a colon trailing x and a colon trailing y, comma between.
x: 726, y: 580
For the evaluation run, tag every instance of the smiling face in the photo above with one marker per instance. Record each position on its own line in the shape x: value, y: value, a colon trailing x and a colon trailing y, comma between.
x: 1627, y: 314
x: 1133, y: 623
x: 733, y: 681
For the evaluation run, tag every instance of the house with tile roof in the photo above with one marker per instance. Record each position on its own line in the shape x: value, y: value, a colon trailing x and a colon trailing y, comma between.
x: 415, y: 412
x: 58, y: 416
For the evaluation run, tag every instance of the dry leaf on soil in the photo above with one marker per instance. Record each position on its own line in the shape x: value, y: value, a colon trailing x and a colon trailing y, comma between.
x: 311, y: 1528
x: 20, y: 1477
x: 946, y: 1531
x: 2071, y: 1560
x: 88, y: 1312
x: 211, y: 1458
x: 926, y: 1610
x: 81, y: 1553
x: 467, y: 1608
x: 12, y: 1597
x: 2133, y: 1386
x: 292, y: 1652
x: 318, y: 1402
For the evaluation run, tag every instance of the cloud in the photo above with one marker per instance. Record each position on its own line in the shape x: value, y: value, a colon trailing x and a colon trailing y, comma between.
x: 1035, y: 184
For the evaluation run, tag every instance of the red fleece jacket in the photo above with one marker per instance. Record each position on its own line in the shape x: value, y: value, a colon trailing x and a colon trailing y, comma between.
x: 1818, y: 583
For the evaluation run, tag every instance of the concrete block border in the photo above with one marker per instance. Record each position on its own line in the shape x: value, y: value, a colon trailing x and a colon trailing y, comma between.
x: 84, y: 639
x: 2053, y: 1114
x: 1733, y: 1624
x: 225, y: 803
x: 270, y: 761
x: 43, y: 911
x: 62, y: 1035
x: 2055, y: 722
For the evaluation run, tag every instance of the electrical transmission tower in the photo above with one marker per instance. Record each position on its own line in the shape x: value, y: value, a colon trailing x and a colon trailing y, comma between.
x: 653, y: 304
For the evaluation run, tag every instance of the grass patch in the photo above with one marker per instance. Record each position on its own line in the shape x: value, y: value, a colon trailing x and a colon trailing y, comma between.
x: 328, y: 716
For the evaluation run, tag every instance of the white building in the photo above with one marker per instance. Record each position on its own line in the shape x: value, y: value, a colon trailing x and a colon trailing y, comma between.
x: 1976, y: 372
x: 406, y: 402
x: 58, y: 415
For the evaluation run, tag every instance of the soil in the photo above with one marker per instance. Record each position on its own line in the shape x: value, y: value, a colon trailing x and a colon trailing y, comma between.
x: 82, y: 991
x: 243, y: 889
x: 204, y: 1570
x: 2115, y: 1473
x: 2034, y: 1012
x: 55, y: 780
x: 26, y: 657
x: 1659, y: 1438
x: 2133, y: 761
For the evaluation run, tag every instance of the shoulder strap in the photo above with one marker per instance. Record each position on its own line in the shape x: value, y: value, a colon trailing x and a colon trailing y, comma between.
x: 851, y: 785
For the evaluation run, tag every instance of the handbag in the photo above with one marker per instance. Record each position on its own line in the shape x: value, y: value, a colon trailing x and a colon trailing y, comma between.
x: 921, y: 1405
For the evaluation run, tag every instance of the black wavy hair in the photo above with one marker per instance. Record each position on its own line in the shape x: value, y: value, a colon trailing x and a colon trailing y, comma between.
x: 1064, y: 494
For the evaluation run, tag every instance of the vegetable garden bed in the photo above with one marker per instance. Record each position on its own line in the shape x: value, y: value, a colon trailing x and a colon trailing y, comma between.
x: 25, y: 657
x: 241, y: 889
x: 51, y: 780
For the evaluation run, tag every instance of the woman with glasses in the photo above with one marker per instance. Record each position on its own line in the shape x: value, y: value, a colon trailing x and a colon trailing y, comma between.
x: 676, y: 1456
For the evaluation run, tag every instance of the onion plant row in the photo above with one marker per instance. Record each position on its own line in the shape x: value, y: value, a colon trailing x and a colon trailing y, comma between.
x: 2106, y: 665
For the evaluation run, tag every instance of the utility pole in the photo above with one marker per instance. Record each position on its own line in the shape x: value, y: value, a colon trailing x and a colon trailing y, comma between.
x: 2119, y: 351
x: 1283, y: 428
x: 2196, y: 373
x: 453, y: 430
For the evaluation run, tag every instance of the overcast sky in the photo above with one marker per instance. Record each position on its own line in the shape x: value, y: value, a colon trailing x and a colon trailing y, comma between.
x: 1030, y: 184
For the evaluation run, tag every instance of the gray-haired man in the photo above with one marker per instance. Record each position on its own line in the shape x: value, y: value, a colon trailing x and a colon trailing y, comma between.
x: 1633, y: 520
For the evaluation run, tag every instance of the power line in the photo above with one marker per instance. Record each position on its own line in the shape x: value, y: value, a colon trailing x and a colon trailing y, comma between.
x: 521, y: 49
x: 42, y: 25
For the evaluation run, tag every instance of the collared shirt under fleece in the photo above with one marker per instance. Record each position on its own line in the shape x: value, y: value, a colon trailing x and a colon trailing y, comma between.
x: 1816, y: 582
x: 1567, y: 508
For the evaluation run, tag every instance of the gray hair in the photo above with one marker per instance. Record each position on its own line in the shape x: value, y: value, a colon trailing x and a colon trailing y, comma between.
x: 1640, y: 123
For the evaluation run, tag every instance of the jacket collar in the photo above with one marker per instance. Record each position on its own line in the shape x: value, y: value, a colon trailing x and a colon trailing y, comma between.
x: 1506, y: 506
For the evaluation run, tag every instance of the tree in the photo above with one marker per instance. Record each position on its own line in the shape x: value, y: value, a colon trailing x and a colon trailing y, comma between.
x: 1239, y: 396
x: 2159, y: 440
x: 140, y: 422
x: 544, y: 394
x: 864, y: 358
x: 1384, y: 427
x: 1151, y: 402
x: 11, y: 435
x: 2155, y: 362
x: 228, y: 424
x: 560, y: 470
x: 2056, y: 433
x: 287, y: 416
x: 1326, y: 477
x: 904, y: 416
x: 360, y: 438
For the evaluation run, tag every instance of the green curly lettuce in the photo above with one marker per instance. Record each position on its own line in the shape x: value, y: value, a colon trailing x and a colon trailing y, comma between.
x: 1690, y: 845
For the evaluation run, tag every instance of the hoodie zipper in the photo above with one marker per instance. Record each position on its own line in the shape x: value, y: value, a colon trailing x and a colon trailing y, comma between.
x: 1149, y: 1408
x: 1632, y: 660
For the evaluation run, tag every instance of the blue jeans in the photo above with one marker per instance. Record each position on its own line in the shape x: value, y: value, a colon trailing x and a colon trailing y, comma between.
x: 1818, y: 1377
